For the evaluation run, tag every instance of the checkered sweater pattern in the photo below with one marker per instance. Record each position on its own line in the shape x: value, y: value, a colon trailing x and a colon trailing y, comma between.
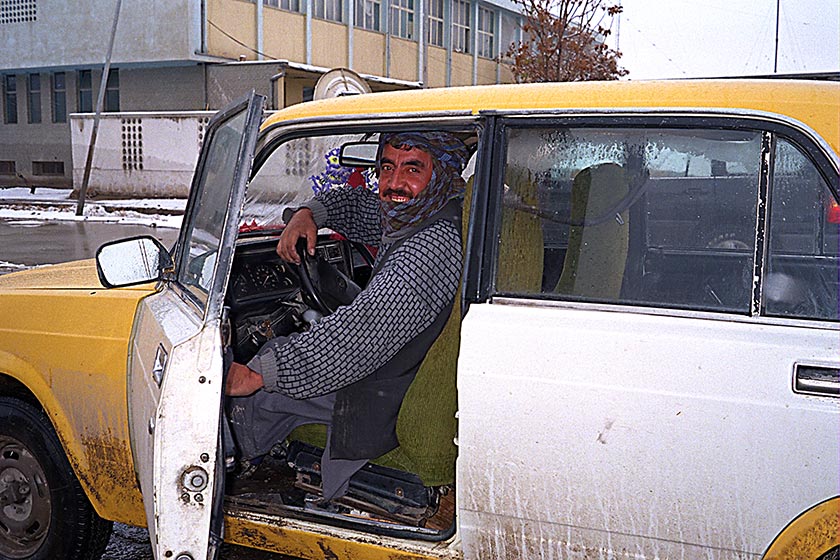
x: 414, y: 285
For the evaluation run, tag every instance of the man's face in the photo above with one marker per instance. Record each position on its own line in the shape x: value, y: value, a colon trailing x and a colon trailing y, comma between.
x: 403, y: 173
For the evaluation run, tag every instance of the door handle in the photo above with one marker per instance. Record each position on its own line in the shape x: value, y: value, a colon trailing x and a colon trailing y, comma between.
x: 160, y: 364
x: 816, y: 380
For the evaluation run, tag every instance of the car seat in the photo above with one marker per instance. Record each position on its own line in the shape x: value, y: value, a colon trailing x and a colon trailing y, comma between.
x: 599, y: 233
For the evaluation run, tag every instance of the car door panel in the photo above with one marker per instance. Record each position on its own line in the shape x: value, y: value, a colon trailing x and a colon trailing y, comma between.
x: 640, y: 434
x: 176, y: 365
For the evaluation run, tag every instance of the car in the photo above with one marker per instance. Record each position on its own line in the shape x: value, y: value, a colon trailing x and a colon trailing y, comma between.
x: 643, y: 360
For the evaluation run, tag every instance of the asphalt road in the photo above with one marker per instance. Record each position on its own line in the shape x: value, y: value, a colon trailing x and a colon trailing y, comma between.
x: 30, y: 243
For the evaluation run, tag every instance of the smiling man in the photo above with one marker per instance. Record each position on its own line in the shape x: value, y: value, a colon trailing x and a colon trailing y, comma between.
x: 351, y: 370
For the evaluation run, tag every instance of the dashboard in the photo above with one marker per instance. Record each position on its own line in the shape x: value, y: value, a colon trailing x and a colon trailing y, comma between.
x: 258, y: 274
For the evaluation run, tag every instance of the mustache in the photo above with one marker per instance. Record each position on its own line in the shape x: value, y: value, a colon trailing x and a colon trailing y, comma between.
x: 399, y: 192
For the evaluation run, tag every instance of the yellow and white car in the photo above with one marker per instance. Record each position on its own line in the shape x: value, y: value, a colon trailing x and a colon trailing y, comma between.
x: 647, y: 340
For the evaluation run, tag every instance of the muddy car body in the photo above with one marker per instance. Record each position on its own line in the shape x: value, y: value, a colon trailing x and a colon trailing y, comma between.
x: 646, y: 339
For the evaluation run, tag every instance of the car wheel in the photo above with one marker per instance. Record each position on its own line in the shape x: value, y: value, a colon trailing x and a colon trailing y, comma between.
x: 44, y: 513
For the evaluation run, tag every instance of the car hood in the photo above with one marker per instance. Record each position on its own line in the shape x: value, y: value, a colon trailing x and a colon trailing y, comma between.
x: 76, y: 275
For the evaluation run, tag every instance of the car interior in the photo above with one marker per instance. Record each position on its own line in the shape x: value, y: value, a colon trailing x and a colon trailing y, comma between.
x: 408, y: 491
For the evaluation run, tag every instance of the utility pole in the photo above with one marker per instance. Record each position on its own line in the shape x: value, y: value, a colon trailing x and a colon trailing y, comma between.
x: 776, y: 56
x: 80, y: 205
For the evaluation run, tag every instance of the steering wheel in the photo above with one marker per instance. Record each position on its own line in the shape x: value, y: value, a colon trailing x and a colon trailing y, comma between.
x: 324, y: 286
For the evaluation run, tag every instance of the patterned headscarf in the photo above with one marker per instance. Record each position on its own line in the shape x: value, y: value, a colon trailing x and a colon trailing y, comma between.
x: 449, y: 156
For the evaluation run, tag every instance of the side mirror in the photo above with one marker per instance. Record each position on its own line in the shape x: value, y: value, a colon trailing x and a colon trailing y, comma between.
x: 358, y: 154
x: 127, y: 262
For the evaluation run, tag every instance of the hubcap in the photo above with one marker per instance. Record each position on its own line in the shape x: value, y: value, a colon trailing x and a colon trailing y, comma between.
x: 25, y: 504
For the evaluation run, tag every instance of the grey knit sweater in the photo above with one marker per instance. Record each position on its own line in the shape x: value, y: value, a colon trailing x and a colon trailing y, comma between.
x: 415, y: 284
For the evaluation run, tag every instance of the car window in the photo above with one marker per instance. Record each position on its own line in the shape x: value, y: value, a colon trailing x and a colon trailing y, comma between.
x: 297, y: 170
x: 204, y: 231
x: 802, y: 267
x: 650, y: 217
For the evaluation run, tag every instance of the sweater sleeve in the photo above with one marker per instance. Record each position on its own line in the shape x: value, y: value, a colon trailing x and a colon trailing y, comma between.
x: 417, y: 282
x: 353, y: 212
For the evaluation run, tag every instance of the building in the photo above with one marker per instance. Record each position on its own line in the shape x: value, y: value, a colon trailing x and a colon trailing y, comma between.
x: 181, y: 55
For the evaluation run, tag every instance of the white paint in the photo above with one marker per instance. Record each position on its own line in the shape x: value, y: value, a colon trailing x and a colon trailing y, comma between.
x: 602, y: 434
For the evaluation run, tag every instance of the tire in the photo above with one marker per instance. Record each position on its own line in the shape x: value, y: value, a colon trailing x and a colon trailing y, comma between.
x: 44, y: 513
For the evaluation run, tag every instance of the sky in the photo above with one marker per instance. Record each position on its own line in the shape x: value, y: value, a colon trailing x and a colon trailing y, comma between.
x: 710, y: 38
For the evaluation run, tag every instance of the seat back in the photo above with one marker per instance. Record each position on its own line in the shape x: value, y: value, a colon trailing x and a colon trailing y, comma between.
x: 599, y: 236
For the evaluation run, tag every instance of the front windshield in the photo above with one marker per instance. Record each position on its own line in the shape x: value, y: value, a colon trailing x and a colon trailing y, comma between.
x: 296, y: 171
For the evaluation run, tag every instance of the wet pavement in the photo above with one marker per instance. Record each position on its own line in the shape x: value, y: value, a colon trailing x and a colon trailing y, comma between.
x: 33, y: 242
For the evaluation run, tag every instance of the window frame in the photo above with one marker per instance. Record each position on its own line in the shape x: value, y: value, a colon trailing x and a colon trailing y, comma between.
x: 360, y: 21
x: 402, y: 19
x: 10, y: 105
x: 461, y: 30
x: 59, y: 97
x: 771, y: 125
x: 323, y: 9
x: 84, y: 92
x: 34, y: 115
x: 489, y: 35
x: 437, y: 21
x: 112, y: 92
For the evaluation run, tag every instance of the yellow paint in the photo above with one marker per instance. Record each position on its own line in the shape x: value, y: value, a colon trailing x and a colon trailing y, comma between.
x: 817, y: 104
x: 275, y: 537
x: 810, y: 535
x: 65, y: 337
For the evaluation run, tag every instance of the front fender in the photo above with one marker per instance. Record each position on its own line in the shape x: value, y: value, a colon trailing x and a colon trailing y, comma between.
x: 69, y: 348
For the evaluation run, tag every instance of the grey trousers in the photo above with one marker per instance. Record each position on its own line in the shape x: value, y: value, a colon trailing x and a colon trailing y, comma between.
x: 264, y: 418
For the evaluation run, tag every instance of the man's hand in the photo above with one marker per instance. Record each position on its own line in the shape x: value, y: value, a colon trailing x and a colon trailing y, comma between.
x: 302, y: 225
x: 242, y: 381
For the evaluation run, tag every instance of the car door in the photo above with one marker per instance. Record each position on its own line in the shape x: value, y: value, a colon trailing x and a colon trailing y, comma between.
x: 175, y: 366
x: 638, y: 381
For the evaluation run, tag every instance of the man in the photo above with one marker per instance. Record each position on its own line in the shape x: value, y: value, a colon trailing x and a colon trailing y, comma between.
x: 352, y: 369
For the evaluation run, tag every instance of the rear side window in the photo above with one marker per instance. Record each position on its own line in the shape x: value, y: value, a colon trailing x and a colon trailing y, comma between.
x: 652, y: 217
x: 802, y: 265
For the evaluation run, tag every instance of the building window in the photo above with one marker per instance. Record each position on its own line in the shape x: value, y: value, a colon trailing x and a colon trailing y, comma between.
x: 18, y: 11
x: 59, y: 98
x: 112, y: 91
x: 33, y: 86
x: 85, y: 96
x: 329, y: 9
x: 369, y: 14
x: 289, y: 5
x: 435, y: 10
x: 402, y: 18
x: 10, y: 97
x: 7, y: 167
x: 48, y: 168
x: 461, y: 26
x: 486, y: 32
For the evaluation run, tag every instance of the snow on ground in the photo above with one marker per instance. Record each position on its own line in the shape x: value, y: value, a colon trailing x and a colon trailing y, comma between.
x: 23, y: 207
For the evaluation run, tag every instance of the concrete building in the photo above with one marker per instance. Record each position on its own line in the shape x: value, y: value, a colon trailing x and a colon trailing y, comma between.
x: 187, y: 55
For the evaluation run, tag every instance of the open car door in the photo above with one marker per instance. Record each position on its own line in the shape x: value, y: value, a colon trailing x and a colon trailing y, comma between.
x: 175, y: 364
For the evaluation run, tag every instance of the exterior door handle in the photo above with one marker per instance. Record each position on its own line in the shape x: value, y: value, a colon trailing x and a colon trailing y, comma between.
x: 160, y: 364
x: 816, y: 380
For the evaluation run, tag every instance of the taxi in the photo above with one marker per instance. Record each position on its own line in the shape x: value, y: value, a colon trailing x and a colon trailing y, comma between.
x: 643, y: 360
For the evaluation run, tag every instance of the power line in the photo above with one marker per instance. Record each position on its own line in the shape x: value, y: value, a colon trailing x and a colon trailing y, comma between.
x: 238, y: 42
x: 651, y: 43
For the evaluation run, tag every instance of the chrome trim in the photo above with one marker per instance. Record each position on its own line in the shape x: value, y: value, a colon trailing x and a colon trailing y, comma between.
x: 814, y: 324
x: 822, y: 383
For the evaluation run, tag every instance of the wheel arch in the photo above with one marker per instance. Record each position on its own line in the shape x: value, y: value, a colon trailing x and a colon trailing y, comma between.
x: 22, y: 381
x: 812, y: 534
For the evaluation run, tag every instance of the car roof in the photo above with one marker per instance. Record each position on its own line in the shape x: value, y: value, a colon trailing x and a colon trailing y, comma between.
x: 814, y: 103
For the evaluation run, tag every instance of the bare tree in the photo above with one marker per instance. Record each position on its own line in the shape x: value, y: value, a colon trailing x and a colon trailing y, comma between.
x: 565, y: 41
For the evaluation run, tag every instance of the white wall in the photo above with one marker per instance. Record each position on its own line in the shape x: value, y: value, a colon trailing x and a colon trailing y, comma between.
x: 76, y: 33
x: 139, y: 154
